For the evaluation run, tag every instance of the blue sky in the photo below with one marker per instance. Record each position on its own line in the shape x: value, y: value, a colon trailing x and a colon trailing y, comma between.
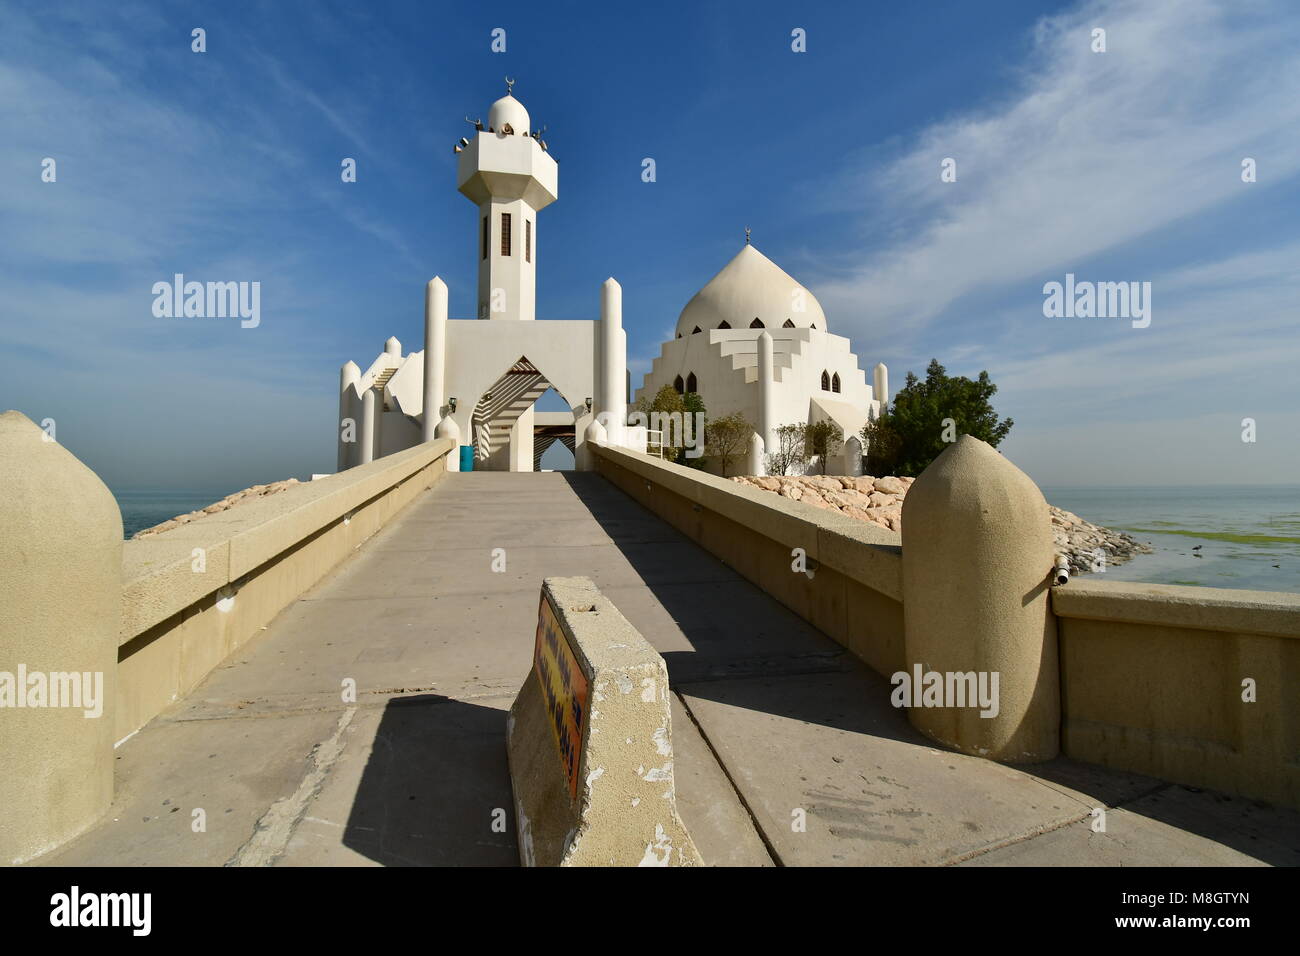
x: 1123, y: 165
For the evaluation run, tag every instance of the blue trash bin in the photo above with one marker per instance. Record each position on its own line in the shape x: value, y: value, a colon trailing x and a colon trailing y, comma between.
x: 466, y: 457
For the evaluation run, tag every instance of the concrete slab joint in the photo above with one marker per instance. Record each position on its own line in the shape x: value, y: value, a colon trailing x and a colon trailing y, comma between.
x: 589, y: 741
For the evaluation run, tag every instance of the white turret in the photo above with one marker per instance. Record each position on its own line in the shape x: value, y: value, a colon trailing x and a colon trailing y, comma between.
x: 507, y: 174
x: 766, y: 393
x: 613, y: 361
x: 435, y: 354
x: 372, y: 410
x: 349, y: 410
x: 754, y: 462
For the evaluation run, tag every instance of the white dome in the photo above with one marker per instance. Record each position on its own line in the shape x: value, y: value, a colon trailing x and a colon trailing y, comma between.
x: 751, y: 286
x: 508, y: 110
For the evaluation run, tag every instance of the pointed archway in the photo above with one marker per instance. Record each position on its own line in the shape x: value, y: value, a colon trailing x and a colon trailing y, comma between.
x: 501, y: 425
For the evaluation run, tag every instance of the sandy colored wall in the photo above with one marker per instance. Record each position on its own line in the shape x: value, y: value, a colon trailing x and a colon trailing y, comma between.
x: 856, y: 592
x: 1152, y: 681
x: 1150, y: 675
x: 184, y: 613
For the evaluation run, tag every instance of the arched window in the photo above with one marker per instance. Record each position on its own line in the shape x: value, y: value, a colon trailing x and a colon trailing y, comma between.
x: 756, y: 324
x: 691, y: 383
x: 725, y: 324
x: 826, y: 382
x: 679, y: 335
x: 695, y: 330
x: 835, y: 382
x: 812, y: 325
x: 677, y: 384
x: 787, y: 324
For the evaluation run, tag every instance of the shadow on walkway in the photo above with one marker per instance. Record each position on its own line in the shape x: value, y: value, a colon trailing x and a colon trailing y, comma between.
x: 434, y: 785
x: 794, y: 671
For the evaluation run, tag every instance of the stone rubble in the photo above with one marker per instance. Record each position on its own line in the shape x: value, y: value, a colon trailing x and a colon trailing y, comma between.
x: 880, y: 501
x: 225, y: 504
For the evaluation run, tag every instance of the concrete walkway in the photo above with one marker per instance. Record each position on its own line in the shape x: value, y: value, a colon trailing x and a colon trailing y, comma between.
x: 788, y: 751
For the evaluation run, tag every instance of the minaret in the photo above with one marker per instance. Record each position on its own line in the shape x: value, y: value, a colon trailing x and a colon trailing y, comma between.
x: 509, y: 176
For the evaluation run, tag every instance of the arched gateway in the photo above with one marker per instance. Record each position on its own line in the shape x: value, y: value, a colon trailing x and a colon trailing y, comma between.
x: 479, y: 378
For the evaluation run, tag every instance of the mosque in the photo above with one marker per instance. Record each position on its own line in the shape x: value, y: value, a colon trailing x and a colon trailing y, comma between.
x: 753, y: 340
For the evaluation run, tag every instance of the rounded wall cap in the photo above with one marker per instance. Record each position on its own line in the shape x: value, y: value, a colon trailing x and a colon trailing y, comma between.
x: 447, y: 428
x: 972, y: 489
x: 46, y: 486
x: 596, y: 432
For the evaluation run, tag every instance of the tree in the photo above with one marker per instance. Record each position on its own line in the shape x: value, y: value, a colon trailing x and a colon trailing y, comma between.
x: 926, y: 416
x: 789, y: 449
x: 824, y: 439
x: 672, y: 410
x: 883, y: 445
x: 693, y: 405
x: 728, y: 438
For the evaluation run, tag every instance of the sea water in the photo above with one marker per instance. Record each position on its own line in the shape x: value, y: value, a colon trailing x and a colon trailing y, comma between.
x: 145, y: 508
x: 1230, y: 536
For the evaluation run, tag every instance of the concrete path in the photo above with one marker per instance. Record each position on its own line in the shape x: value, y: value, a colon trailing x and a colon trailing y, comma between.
x: 788, y: 751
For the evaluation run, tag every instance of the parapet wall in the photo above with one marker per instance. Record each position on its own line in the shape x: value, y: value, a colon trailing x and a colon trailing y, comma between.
x: 854, y: 593
x: 1151, y: 676
x: 194, y: 595
x: 1153, y: 679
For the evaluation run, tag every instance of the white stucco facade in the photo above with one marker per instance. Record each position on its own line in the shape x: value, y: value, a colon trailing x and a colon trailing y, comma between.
x: 755, y: 341
x: 477, y: 379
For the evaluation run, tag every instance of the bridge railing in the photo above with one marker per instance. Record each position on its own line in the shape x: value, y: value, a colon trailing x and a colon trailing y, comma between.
x: 145, y: 620
x: 1190, y: 684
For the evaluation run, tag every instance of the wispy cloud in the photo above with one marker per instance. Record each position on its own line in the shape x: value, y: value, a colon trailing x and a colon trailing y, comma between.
x: 1088, y: 153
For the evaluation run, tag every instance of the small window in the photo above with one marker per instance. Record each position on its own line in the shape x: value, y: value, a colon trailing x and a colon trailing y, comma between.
x: 679, y: 385
x: 695, y: 331
x: 756, y: 324
x: 691, y: 383
x: 787, y: 324
x: 812, y: 325
x: 505, y: 233
x: 528, y: 240
x: 725, y: 325
x: 835, y: 382
x: 483, y: 238
x: 826, y: 382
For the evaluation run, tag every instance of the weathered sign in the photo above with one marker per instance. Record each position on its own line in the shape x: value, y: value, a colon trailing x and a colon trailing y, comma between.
x: 565, y: 689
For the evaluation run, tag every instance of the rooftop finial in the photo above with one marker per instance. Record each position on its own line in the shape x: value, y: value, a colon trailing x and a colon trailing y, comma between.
x: 746, y: 235
x: 509, y: 87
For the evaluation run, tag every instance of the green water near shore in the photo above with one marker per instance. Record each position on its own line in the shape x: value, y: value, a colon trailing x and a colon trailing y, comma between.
x: 1218, y: 535
x: 1211, y: 536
